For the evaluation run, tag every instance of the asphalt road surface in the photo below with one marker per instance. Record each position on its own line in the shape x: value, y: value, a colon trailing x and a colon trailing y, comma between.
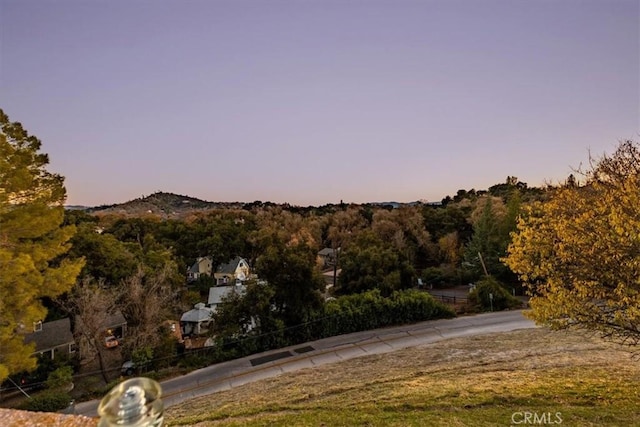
x: 234, y: 373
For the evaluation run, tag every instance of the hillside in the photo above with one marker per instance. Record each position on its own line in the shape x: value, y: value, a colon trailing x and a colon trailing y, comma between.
x: 487, y: 380
x: 165, y: 205
x: 170, y: 205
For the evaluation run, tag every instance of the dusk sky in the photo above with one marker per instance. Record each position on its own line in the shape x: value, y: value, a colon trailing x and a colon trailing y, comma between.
x: 313, y: 102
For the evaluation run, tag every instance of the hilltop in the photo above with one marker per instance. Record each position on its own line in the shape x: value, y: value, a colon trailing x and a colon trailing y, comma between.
x: 166, y: 205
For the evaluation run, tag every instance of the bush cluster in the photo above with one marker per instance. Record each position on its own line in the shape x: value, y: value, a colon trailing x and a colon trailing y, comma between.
x: 47, y: 401
x: 346, y: 314
x: 370, y: 310
x: 490, y: 294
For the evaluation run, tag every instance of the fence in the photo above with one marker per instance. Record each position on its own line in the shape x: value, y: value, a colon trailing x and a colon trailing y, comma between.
x: 451, y: 299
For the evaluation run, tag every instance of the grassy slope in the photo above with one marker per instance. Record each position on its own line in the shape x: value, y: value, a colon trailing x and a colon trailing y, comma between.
x: 479, y: 381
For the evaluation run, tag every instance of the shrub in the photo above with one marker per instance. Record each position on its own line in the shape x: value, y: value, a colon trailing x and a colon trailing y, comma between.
x: 47, y: 401
x: 445, y: 275
x: 61, y: 377
x: 481, y: 297
x: 193, y: 361
x: 370, y: 310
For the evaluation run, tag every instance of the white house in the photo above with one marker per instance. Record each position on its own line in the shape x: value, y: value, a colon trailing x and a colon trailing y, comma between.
x: 197, y: 320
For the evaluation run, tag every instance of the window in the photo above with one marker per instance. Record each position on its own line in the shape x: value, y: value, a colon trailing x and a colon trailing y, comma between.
x: 37, y: 326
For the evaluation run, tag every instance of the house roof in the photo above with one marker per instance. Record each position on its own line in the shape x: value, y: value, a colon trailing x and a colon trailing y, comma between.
x: 198, y: 313
x: 53, y: 334
x: 115, y: 320
x: 231, y: 266
x: 218, y: 293
x: 112, y: 321
x: 326, y: 252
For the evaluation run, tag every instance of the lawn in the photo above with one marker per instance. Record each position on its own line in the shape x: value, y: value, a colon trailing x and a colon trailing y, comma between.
x: 497, y: 379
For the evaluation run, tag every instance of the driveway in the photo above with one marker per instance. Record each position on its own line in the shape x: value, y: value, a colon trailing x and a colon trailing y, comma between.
x: 234, y: 373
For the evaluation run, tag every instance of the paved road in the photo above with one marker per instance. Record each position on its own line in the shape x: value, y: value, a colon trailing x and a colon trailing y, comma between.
x: 224, y: 376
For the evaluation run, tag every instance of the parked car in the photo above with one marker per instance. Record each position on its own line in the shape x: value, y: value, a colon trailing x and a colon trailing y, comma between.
x: 111, y: 342
x: 128, y: 368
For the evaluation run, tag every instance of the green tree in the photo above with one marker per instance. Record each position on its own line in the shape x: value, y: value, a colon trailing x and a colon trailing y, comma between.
x: 292, y: 272
x: 484, y: 246
x: 106, y: 257
x: 489, y: 294
x: 578, y: 253
x: 368, y: 263
x: 493, y: 222
x: 239, y: 312
x: 440, y: 221
x: 32, y: 242
x: 142, y: 357
x: 404, y: 229
x: 60, y: 378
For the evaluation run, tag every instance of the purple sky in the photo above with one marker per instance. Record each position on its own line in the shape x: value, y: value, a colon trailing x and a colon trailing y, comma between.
x: 313, y: 102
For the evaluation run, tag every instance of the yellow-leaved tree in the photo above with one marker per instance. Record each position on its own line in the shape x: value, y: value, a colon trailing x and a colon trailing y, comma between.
x: 578, y: 253
x: 32, y: 243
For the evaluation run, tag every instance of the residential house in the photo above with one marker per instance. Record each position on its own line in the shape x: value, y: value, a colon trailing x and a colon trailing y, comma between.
x: 52, y: 338
x: 197, y: 320
x: 235, y: 270
x: 112, y: 329
x: 218, y: 293
x: 328, y: 257
x: 115, y: 325
x: 202, y: 267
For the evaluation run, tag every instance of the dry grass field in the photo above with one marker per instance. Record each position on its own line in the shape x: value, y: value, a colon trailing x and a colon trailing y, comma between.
x: 501, y: 379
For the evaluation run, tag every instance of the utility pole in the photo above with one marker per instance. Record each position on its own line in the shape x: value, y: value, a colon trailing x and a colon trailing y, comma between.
x: 335, y: 267
x: 484, y: 267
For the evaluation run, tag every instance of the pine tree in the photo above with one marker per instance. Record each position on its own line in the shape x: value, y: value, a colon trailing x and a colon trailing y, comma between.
x: 32, y: 242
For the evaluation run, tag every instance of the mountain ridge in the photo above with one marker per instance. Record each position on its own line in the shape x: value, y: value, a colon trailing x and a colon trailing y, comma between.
x: 167, y: 204
x: 162, y: 204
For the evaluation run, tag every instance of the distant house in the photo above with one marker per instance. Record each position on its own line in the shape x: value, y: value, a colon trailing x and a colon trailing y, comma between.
x: 235, y: 270
x: 202, y: 267
x: 110, y: 329
x: 218, y: 293
x: 197, y: 320
x: 328, y: 257
x: 115, y: 325
x: 52, y: 338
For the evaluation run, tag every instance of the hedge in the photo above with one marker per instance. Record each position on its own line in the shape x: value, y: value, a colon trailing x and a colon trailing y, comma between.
x: 47, y: 401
